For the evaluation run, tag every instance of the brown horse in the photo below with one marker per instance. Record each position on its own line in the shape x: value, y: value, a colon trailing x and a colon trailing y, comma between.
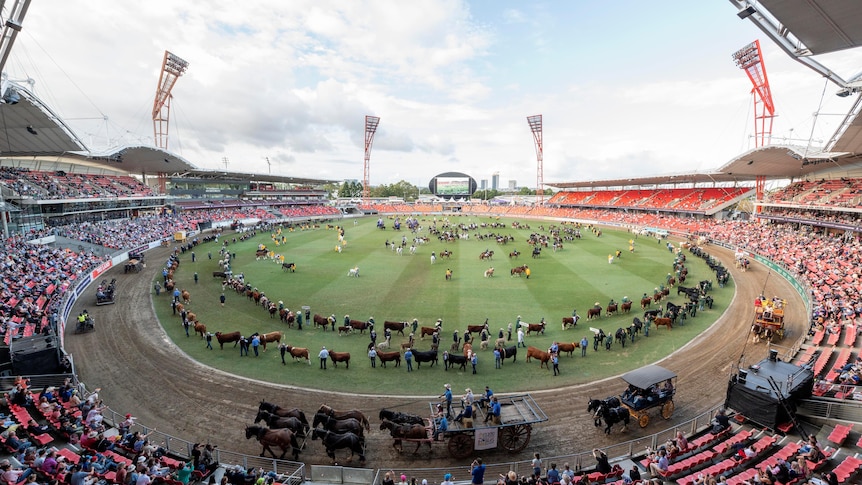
x: 270, y: 337
x: 626, y: 307
x: 281, y: 438
x: 406, y: 431
x: 667, y: 322
x: 611, y: 309
x: 340, y: 357
x: 518, y: 270
x: 353, y: 413
x: 645, y: 302
x: 569, y: 322
x: 594, y: 312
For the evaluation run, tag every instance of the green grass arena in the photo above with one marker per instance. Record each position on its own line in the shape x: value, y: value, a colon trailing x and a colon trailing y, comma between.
x: 401, y: 288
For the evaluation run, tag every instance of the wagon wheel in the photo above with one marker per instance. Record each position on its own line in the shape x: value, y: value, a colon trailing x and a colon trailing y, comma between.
x: 643, y: 419
x: 515, y: 438
x: 667, y: 410
x: 460, y: 445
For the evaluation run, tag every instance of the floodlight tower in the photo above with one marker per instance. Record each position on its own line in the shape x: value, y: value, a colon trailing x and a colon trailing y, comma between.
x: 535, y: 123
x: 172, y: 68
x: 750, y: 58
x: 370, y: 128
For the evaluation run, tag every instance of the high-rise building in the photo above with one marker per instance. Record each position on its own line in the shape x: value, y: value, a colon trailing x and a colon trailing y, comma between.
x: 483, y: 184
x: 495, y: 181
x: 513, y: 185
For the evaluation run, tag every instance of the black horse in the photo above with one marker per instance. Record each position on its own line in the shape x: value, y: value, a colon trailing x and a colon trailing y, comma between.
x: 595, y: 405
x: 277, y: 422
x: 400, y: 418
x: 344, y: 425
x: 283, y: 412
x: 425, y: 356
x: 507, y: 352
x: 334, y: 441
x: 614, y: 415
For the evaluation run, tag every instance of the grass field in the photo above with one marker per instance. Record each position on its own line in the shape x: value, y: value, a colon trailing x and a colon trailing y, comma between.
x: 401, y: 288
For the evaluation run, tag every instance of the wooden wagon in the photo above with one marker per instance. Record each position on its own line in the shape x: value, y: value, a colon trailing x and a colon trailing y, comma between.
x: 518, y: 413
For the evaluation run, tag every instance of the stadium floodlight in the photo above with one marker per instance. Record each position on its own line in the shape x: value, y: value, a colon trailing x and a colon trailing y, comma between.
x: 750, y: 59
x: 535, y: 123
x: 371, y: 123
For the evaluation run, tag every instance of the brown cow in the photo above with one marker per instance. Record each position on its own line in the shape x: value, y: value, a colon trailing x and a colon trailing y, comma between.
x: 191, y: 317
x: 396, y: 326
x: 427, y: 331
x: 346, y: 329
x: 340, y: 357
x: 667, y: 322
x: 543, y: 356
x: 299, y: 353
x: 270, y: 337
x: 180, y: 308
x: 224, y: 338
x: 568, y: 347
x: 200, y: 328
x: 320, y: 321
x: 186, y: 296
x: 534, y: 327
x: 389, y: 357
x: 476, y: 328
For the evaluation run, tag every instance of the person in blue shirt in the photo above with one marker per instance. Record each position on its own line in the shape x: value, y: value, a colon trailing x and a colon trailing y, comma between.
x: 477, y: 471
x: 584, y: 344
x: 493, y: 411
x: 442, y: 426
x: 447, y: 395
x: 486, y: 397
x: 408, y: 358
x: 553, y: 474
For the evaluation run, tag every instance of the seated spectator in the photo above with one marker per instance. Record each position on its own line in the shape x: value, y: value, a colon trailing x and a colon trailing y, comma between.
x: 660, y: 465
x: 13, y: 475
x: 553, y: 474
x: 12, y: 441
x: 720, y: 422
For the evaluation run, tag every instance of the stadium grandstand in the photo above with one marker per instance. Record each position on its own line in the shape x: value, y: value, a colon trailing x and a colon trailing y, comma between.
x: 71, y: 214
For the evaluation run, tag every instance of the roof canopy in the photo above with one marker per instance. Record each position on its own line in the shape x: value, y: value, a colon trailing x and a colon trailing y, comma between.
x: 648, y: 375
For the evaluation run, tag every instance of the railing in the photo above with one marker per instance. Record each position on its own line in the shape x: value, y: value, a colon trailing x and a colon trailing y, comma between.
x: 825, y: 408
x: 577, y: 461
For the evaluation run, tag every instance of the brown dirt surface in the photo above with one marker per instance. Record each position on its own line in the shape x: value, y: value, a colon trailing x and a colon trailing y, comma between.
x: 141, y: 371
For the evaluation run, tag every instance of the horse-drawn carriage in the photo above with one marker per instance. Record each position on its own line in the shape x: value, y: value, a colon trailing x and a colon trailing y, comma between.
x: 768, y: 318
x: 105, y: 293
x: 512, y: 433
x: 650, y: 387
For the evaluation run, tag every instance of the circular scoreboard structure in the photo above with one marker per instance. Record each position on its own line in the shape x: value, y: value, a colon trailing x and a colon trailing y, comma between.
x: 452, y: 185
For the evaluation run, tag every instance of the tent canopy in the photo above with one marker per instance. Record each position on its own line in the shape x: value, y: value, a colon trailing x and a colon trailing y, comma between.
x: 648, y: 375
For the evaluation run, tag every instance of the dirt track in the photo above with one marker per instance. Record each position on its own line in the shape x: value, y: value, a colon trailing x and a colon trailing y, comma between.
x: 142, y: 372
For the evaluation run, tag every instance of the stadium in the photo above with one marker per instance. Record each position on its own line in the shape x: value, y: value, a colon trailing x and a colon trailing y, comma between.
x: 75, y: 219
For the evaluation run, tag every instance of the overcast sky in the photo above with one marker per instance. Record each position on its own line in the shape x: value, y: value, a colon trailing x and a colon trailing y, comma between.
x: 625, y: 87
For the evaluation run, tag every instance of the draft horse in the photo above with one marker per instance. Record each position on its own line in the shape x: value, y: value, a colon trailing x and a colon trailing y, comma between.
x: 278, y: 422
x: 281, y: 438
x: 353, y: 413
x: 344, y: 425
x: 283, y: 412
x: 398, y: 417
x: 594, y: 405
x: 334, y: 441
x: 613, y: 415
x: 406, y: 431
